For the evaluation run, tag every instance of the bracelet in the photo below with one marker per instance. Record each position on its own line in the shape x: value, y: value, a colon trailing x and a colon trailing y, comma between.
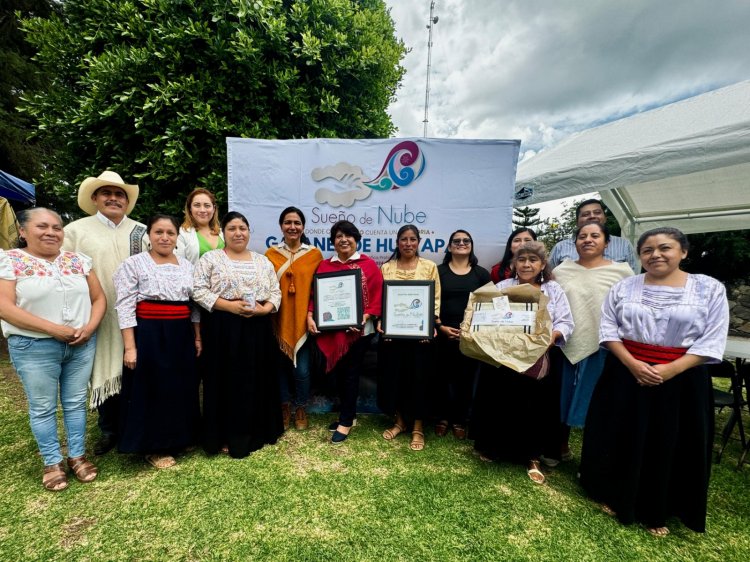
x: 198, y: 339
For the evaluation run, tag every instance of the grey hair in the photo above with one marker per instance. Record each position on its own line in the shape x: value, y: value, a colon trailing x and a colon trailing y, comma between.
x: 25, y: 216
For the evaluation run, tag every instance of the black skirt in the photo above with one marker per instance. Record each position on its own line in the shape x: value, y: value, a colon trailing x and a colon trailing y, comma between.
x: 404, y: 373
x: 159, y: 398
x: 647, y: 450
x: 515, y: 417
x: 241, y: 401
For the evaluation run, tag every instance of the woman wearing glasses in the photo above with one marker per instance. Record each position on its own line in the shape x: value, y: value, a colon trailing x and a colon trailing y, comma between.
x: 459, y: 276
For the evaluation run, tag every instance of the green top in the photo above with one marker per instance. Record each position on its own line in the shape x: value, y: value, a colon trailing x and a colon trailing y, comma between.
x: 204, y: 245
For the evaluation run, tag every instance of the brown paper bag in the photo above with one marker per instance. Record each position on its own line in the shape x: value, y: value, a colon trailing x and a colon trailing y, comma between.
x: 502, y: 347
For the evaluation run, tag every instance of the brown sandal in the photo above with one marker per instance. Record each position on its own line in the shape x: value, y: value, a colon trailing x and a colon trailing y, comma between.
x: 417, y: 440
x: 54, y: 478
x: 441, y: 428
x: 390, y: 434
x: 161, y: 461
x: 84, y: 470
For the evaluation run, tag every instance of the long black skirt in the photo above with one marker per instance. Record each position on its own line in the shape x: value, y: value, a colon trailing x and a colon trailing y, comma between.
x: 647, y: 450
x: 514, y: 416
x: 240, y: 388
x: 159, y: 399
x: 404, y: 370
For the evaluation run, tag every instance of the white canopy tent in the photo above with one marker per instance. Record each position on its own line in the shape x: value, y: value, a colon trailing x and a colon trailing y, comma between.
x: 685, y: 165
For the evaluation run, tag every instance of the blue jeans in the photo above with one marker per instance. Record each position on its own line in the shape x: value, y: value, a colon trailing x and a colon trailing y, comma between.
x: 47, y: 367
x: 301, y: 377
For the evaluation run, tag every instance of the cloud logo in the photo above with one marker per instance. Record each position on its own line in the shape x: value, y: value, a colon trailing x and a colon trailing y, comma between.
x: 403, y: 165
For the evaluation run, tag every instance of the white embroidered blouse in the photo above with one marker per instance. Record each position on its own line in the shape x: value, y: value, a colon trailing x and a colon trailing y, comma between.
x: 217, y: 276
x: 140, y: 278
x: 56, y: 291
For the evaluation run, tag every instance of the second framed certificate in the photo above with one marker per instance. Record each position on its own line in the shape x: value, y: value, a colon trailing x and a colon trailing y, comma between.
x: 408, y: 309
x: 338, y: 299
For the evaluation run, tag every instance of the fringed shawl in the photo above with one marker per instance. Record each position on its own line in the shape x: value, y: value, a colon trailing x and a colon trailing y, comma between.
x: 295, y: 273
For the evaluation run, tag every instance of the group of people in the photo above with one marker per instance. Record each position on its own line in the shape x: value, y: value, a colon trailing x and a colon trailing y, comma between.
x: 142, y: 315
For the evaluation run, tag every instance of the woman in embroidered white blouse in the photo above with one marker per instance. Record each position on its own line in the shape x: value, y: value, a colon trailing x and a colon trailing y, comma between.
x: 240, y: 289
x: 51, y: 304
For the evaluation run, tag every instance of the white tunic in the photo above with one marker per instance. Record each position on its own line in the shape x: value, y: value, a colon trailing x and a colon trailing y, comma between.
x: 695, y: 316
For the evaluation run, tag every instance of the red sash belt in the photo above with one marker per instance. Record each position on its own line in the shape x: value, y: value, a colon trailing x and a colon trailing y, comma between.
x: 153, y: 310
x: 653, y: 353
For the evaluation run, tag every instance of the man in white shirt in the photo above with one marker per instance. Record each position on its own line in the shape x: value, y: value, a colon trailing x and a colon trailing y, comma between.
x: 108, y: 237
x: 618, y: 249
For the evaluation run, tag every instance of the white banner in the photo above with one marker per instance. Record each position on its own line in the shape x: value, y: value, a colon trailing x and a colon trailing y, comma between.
x: 439, y: 185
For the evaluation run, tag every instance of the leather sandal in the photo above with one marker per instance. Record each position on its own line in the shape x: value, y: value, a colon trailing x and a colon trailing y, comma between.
x: 390, y: 434
x: 459, y: 432
x: 441, y: 428
x: 84, y: 470
x: 161, y: 461
x: 54, y: 478
x: 535, y: 472
x: 658, y: 531
x: 417, y: 440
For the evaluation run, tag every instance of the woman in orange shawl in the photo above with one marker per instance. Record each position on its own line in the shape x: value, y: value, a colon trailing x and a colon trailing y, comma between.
x: 295, y: 262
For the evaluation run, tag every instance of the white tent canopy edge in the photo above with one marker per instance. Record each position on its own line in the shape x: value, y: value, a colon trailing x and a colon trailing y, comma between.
x: 686, y: 165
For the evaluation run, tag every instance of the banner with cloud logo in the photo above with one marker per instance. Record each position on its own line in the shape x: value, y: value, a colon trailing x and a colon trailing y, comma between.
x: 439, y: 185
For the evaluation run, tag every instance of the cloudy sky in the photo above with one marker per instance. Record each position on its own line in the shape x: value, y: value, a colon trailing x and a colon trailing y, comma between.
x: 539, y: 70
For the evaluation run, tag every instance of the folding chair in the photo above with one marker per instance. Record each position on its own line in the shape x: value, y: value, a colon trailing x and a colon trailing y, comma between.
x: 744, y: 375
x: 729, y: 399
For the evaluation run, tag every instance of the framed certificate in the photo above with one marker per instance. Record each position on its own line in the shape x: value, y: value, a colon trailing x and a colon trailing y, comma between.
x: 338, y: 299
x: 408, y: 309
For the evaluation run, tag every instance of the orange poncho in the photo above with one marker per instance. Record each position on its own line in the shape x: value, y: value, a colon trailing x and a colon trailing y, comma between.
x: 295, y: 272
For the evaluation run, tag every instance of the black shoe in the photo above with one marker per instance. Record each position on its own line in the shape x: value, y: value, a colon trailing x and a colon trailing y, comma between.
x: 106, y: 443
x: 338, y: 437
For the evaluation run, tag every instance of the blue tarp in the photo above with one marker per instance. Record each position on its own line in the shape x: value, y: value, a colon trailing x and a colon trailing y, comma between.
x: 16, y: 189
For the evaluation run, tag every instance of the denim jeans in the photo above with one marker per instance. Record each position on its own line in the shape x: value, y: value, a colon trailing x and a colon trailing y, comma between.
x: 47, y: 367
x: 301, y: 377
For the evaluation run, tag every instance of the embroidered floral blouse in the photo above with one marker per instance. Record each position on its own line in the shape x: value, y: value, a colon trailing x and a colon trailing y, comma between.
x: 217, y: 276
x: 56, y: 291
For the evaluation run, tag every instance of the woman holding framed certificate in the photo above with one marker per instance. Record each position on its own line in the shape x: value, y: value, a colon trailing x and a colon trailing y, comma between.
x: 346, y: 302
x: 406, y: 330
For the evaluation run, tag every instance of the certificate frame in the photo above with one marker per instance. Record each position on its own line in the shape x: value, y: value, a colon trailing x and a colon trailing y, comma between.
x: 338, y: 300
x: 408, y: 309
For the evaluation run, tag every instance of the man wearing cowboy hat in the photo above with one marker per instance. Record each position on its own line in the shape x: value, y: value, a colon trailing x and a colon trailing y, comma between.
x: 108, y: 236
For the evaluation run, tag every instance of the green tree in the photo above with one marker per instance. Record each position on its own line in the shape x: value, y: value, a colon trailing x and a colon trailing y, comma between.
x: 554, y: 230
x: 151, y: 88
x: 526, y: 217
x: 723, y: 255
x: 19, y: 74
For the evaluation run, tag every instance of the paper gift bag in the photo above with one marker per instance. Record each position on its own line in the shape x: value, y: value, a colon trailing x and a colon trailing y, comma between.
x: 517, y: 347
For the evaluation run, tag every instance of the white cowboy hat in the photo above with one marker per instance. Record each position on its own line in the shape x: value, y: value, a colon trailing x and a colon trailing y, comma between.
x: 108, y: 178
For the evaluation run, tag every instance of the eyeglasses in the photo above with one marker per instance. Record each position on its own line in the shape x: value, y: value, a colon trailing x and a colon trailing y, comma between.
x: 459, y: 241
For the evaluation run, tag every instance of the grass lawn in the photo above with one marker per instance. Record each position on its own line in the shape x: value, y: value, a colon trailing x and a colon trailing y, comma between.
x: 304, y: 499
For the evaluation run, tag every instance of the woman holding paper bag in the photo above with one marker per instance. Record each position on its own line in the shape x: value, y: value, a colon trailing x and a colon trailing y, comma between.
x: 586, y: 282
x: 649, y: 432
x: 511, y: 416
x: 405, y: 364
